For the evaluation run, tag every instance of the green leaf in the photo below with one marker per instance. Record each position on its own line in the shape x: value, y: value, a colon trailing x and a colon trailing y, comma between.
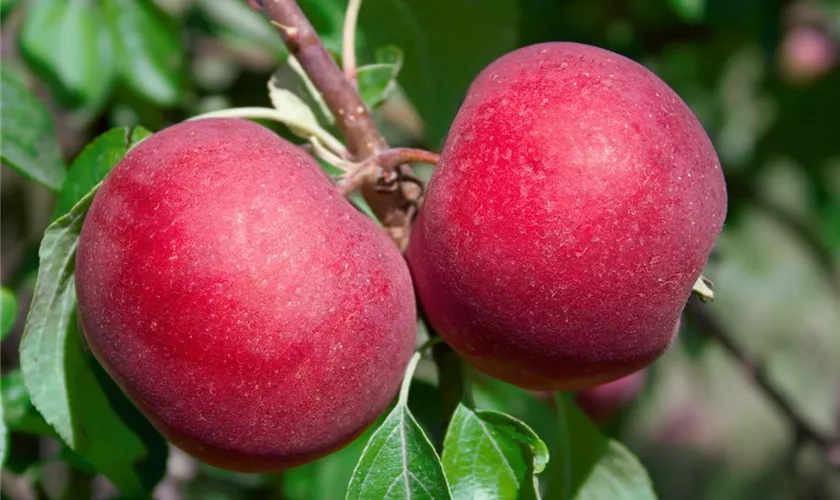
x: 42, y: 349
x: 19, y: 414
x: 487, y: 454
x: 149, y: 51
x: 443, y: 53
x: 16, y: 401
x: 94, y: 163
x: 377, y: 81
x: 241, y: 27
x: 8, y: 315
x: 399, y: 462
x: 20, y: 417
x: 691, y: 11
x: 290, y: 76
x: 290, y: 109
x: 590, y: 466
x: 28, y: 142
x: 68, y: 46
x: 299, y: 117
x: 538, y: 412
x: 64, y: 383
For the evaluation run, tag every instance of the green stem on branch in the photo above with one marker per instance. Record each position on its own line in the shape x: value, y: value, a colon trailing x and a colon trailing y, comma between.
x: 409, y: 374
x: 412, y: 367
x: 348, y: 40
x: 561, y: 401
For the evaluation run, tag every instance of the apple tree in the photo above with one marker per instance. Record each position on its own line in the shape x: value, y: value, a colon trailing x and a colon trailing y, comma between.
x: 379, y: 250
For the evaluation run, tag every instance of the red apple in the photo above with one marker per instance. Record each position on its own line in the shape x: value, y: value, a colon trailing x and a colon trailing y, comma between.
x: 576, y: 201
x: 247, y: 309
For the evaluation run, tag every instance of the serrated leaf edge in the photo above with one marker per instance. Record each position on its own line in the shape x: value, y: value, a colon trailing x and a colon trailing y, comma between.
x: 62, y: 291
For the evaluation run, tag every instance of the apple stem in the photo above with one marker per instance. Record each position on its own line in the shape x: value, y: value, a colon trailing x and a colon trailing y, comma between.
x: 412, y: 367
x: 409, y: 374
x: 348, y: 40
x: 561, y: 401
x: 382, y: 169
x: 755, y: 371
x: 392, y: 158
x: 394, y: 208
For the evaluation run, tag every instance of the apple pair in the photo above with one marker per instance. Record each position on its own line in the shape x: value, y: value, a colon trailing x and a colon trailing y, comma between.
x: 260, y: 322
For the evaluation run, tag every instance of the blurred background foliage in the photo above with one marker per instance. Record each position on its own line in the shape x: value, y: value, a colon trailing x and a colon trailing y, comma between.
x: 761, y: 75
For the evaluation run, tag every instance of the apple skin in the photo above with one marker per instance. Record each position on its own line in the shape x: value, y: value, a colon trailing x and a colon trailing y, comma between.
x: 249, y: 311
x: 576, y: 201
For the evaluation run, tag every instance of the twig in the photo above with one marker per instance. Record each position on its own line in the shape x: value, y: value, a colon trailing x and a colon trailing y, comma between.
x: 352, y: 116
x: 348, y: 40
x: 802, y: 428
x: 395, y: 209
x: 807, y: 236
x: 385, y: 166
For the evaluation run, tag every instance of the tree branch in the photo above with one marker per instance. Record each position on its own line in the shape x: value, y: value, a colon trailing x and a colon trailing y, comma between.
x: 394, y: 209
x: 742, y: 187
x: 807, y: 236
x: 352, y: 116
x: 699, y: 314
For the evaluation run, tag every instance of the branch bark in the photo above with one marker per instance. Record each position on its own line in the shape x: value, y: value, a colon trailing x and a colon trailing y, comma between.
x: 743, y: 187
x: 354, y: 120
x: 756, y: 371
